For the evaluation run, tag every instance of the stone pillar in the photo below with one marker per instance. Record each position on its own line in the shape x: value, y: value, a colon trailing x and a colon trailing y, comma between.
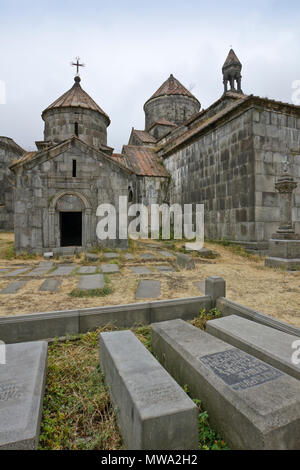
x: 284, y: 246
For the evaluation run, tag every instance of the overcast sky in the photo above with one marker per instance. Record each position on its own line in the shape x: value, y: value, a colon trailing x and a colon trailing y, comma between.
x: 131, y: 47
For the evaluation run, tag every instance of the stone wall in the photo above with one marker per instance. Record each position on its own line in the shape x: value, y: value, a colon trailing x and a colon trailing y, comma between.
x: 46, y: 188
x: 276, y: 139
x: 174, y: 108
x: 9, y: 151
x: 217, y: 169
x: 60, y: 125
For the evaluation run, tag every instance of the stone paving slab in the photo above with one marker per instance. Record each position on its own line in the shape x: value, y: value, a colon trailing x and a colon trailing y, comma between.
x: 148, y: 289
x: 111, y: 255
x: 110, y: 268
x: 18, y: 272
x: 22, y: 385
x: 140, y: 270
x: 46, y: 264
x: 91, y: 282
x: 63, y: 270
x: 147, y: 256
x: 13, y: 287
x: 50, y: 285
x: 40, y: 271
x: 166, y: 254
x: 87, y: 269
x: 265, y: 343
x: 165, y: 268
x: 153, y: 411
x: 250, y: 403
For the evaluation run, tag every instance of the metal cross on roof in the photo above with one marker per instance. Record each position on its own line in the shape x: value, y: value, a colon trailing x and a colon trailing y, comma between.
x: 77, y: 64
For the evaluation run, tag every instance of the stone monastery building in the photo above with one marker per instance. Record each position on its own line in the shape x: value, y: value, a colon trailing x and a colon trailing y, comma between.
x: 227, y: 156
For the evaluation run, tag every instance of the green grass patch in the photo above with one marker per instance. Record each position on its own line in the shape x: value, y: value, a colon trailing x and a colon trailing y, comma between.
x: 77, y: 413
x: 204, y: 317
x: 103, y: 292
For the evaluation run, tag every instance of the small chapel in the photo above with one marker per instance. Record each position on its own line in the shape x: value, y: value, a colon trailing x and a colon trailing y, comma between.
x: 227, y: 157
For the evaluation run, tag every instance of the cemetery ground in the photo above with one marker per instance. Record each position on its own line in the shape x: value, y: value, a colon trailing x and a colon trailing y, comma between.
x: 78, y: 414
x: 249, y: 282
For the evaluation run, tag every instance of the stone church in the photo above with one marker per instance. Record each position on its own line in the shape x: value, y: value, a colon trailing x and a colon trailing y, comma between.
x: 227, y: 157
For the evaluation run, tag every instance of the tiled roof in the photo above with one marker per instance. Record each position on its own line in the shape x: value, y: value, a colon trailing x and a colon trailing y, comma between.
x: 231, y: 59
x: 144, y: 136
x: 172, y: 87
x: 140, y: 160
x: 76, y: 97
x: 163, y: 122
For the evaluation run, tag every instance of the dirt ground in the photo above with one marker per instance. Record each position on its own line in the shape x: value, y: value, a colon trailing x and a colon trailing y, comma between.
x: 271, y: 291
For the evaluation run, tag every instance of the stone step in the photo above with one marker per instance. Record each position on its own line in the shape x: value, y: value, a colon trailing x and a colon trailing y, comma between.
x: 250, y: 403
x: 153, y: 412
x: 265, y: 343
x: 22, y: 385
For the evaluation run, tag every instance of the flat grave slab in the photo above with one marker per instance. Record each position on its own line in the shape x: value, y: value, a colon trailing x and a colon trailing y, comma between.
x: 185, y: 261
x: 147, y: 256
x: 50, y: 285
x: 91, y: 282
x: 110, y: 268
x: 166, y: 254
x: 265, y: 343
x: 165, y: 268
x: 91, y: 257
x: 46, y: 264
x: 39, y: 271
x: 140, y: 270
x: 22, y: 384
x: 250, y: 403
x: 63, y: 270
x: 153, y: 412
x: 4, y: 270
x: 18, y: 272
x: 148, y: 289
x: 87, y: 269
x: 13, y: 287
x: 110, y: 255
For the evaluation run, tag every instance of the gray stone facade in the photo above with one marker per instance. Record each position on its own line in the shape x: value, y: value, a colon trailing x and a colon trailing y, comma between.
x: 9, y: 151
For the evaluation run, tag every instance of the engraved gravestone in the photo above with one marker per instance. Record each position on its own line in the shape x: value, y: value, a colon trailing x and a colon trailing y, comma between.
x: 22, y: 384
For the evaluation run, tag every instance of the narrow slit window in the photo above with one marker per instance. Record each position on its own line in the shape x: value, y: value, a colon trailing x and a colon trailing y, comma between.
x: 76, y: 129
x: 74, y: 170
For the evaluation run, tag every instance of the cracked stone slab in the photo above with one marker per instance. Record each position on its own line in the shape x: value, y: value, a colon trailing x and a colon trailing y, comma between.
x: 87, y: 269
x: 13, y: 287
x: 140, y: 270
x: 18, y: 272
x: 50, y: 285
x: 94, y: 281
x: 148, y: 289
x: 110, y: 268
x: 22, y: 385
x: 63, y: 270
x: 165, y: 269
x: 111, y: 255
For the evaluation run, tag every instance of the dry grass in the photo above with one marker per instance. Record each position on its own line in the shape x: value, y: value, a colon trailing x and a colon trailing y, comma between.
x: 271, y: 291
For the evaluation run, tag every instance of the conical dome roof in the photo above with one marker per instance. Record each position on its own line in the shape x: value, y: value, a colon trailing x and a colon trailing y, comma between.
x: 76, y: 97
x: 232, y: 60
x: 172, y: 87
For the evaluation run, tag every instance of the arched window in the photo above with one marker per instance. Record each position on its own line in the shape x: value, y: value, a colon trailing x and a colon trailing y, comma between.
x: 130, y: 194
x: 76, y: 129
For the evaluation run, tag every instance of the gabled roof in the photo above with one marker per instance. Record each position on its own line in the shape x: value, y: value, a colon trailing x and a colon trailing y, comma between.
x: 162, y: 122
x: 144, y: 136
x: 142, y: 161
x: 231, y: 60
x: 172, y: 87
x: 76, y: 97
x: 55, y: 150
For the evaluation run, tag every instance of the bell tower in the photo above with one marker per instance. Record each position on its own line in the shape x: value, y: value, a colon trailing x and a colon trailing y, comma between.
x: 232, y: 73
